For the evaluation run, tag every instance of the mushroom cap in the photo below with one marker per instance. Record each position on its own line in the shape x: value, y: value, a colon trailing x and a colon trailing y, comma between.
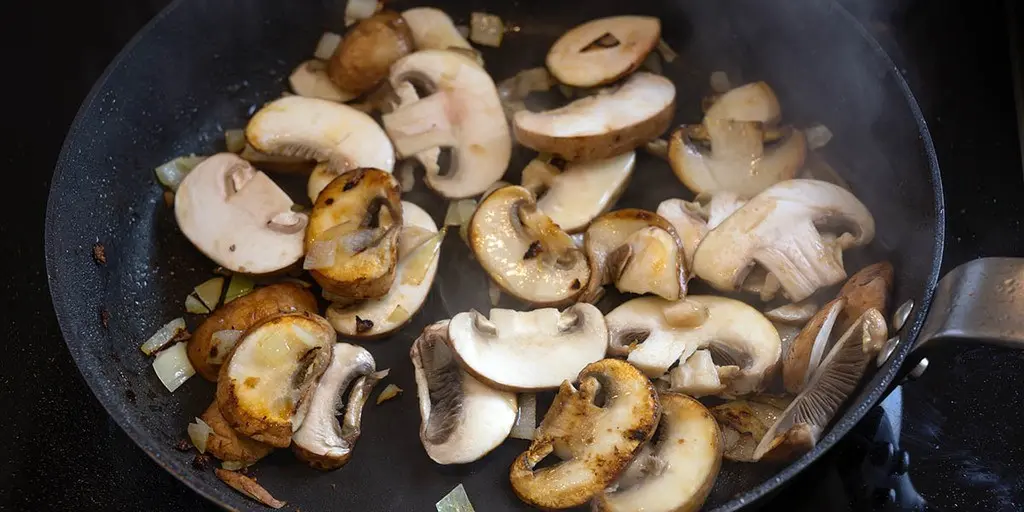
x: 734, y: 332
x: 595, y: 437
x: 273, y: 367
x: 778, y: 229
x: 238, y: 217
x: 608, y: 233
x: 585, y: 190
x: 529, y: 350
x: 321, y: 440
x: 433, y: 29
x: 808, y: 347
x: 755, y: 101
x: 677, y: 468
x: 576, y: 59
x: 367, y: 201
x: 369, y: 48
x: 405, y: 292
x: 868, y: 289
x: 462, y: 112
x: 650, y: 261
x: 462, y: 420
x: 310, y: 80
x: 525, y: 253
x: 603, y: 125
x: 228, y: 445
x: 325, y: 131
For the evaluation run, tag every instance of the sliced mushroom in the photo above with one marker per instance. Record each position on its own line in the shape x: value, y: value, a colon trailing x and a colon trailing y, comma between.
x: 801, y: 424
x: 696, y: 375
x: 361, y: 214
x: 362, y: 59
x: 793, y: 314
x: 321, y: 441
x: 238, y: 217
x: 523, y: 251
x: 867, y: 289
x: 689, y: 221
x: 310, y: 80
x: 676, y: 469
x: 462, y: 420
x: 228, y: 445
x: 610, y: 233
x: 273, y: 367
x: 432, y: 29
x: 604, y: 125
x: 809, y: 346
x: 601, y: 51
x: 743, y: 342
x: 779, y: 229
x: 745, y: 422
x: 462, y: 112
x: 751, y: 102
x: 596, y: 430
x: 528, y: 350
x: 649, y: 261
x: 414, y: 276
x: 583, y: 191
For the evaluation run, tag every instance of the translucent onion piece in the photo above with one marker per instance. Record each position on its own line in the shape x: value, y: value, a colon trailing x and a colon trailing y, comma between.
x: 455, y: 501
x: 421, y: 259
x: 163, y: 336
x: 388, y: 393
x: 235, y: 465
x: 359, y: 10
x: 357, y: 241
x: 225, y: 341
x: 209, y: 292
x: 667, y: 52
x: 173, y: 367
x: 494, y: 293
x: 411, y: 238
x: 398, y: 315
x: 239, y: 285
x: 406, y: 177
x: 195, y: 306
x: 199, y: 432
x: 459, y: 212
x: 652, y: 63
x: 524, y: 82
x: 235, y: 140
x: 817, y: 136
x: 463, y: 30
x: 486, y: 29
x: 171, y: 173
x: 526, y: 421
x: 321, y: 254
x: 326, y: 46
x: 720, y: 82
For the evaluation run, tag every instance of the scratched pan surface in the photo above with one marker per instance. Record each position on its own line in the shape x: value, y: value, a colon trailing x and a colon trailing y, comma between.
x: 202, y: 65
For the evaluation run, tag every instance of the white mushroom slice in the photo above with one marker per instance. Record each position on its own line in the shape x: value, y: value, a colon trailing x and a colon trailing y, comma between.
x: 650, y: 261
x: 751, y: 102
x: 238, y: 217
x: 793, y: 314
x: 310, y: 80
x: 529, y: 350
x: 596, y: 431
x: 721, y: 205
x: 523, y: 251
x: 462, y: 420
x: 321, y: 130
x: 779, y: 230
x: 603, y: 50
x: 604, y: 125
x: 696, y: 376
x: 322, y: 441
x: 583, y: 191
x: 677, y: 468
x: 414, y: 276
x: 462, y: 112
x: 432, y: 29
x: 809, y: 346
x: 689, y: 221
x: 270, y: 372
x: 736, y: 334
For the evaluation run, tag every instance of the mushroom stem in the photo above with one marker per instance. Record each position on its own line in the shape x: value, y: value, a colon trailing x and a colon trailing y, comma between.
x: 801, y: 261
x: 421, y: 125
x: 556, y: 244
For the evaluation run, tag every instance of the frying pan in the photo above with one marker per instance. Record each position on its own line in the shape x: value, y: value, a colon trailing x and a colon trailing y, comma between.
x: 202, y: 66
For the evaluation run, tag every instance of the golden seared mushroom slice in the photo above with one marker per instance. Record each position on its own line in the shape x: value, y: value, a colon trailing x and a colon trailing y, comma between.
x: 742, y: 342
x: 238, y: 217
x: 603, y: 125
x: 676, y: 470
x: 595, y: 429
x: 368, y: 50
x: 432, y: 29
x: 352, y: 239
x: 574, y: 197
x: 462, y: 112
x: 610, y: 233
x: 462, y: 419
x: 321, y: 441
x: 779, y: 230
x: 808, y: 347
x: 419, y: 247
x: 649, y: 261
x: 270, y: 372
x: 226, y: 444
x: 310, y: 80
x: 528, y: 350
x: 868, y: 289
x: 207, y: 350
x: 603, y: 50
x: 800, y: 426
x: 744, y: 422
x: 523, y: 251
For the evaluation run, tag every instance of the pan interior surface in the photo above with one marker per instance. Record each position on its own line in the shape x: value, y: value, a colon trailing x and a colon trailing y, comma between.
x: 203, y: 66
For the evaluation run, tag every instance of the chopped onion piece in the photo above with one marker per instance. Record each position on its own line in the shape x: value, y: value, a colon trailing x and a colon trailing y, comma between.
x: 163, y: 336
x: 658, y: 148
x: 566, y: 91
x: 195, y: 306
x: 720, y: 82
x: 421, y: 259
x: 486, y: 29
x: 652, y: 63
x: 381, y: 374
x: 239, y: 285
x: 357, y: 241
x: 388, y: 393
x: 225, y: 341
x: 199, y: 432
x: 524, y: 82
x: 398, y: 315
x: 209, y: 292
x: 817, y: 136
x: 494, y: 293
x: 410, y: 238
x: 173, y: 367
x: 171, y: 173
x: 406, y: 177
x: 455, y: 501
x: 463, y: 30
x: 235, y: 465
x: 459, y: 212
x: 357, y: 10
x: 235, y: 140
x: 321, y: 254
x: 326, y: 46
x: 666, y: 51
x: 526, y: 421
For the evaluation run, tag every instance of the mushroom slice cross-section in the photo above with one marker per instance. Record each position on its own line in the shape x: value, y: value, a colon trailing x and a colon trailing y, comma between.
x: 779, y: 229
x: 462, y: 112
x: 238, y: 217
x: 583, y: 191
x: 414, y: 276
x: 649, y: 261
x: 529, y: 350
x: 743, y: 342
x: 523, y: 251
x: 310, y: 80
x: 596, y: 429
x: 755, y: 101
x: 690, y: 222
x: 603, y: 125
x: 264, y: 383
x: 462, y: 419
x: 321, y: 441
x: 603, y: 50
x: 808, y: 347
x: 226, y: 444
x: 676, y: 469
x: 356, y: 221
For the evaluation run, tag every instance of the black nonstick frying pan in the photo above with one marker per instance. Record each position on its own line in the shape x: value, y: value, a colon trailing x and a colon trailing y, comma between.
x: 202, y: 66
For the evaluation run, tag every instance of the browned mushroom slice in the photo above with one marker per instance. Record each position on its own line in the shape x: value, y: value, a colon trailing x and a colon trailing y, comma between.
x: 867, y: 289
x: 745, y: 422
x: 809, y: 346
x: 228, y: 445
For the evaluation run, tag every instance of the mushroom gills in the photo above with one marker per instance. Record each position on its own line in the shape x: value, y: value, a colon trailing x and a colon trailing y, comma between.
x: 809, y: 346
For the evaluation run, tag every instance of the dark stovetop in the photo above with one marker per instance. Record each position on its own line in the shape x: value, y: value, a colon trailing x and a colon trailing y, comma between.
x: 958, y: 421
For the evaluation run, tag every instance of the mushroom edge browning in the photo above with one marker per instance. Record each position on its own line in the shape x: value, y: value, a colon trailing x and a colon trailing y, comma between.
x: 580, y: 59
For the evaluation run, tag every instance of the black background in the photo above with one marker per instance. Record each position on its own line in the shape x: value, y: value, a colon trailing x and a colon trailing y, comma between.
x: 962, y: 421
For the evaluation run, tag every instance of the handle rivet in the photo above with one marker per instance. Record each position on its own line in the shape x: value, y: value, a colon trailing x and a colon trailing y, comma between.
x: 919, y: 369
x: 899, y: 318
